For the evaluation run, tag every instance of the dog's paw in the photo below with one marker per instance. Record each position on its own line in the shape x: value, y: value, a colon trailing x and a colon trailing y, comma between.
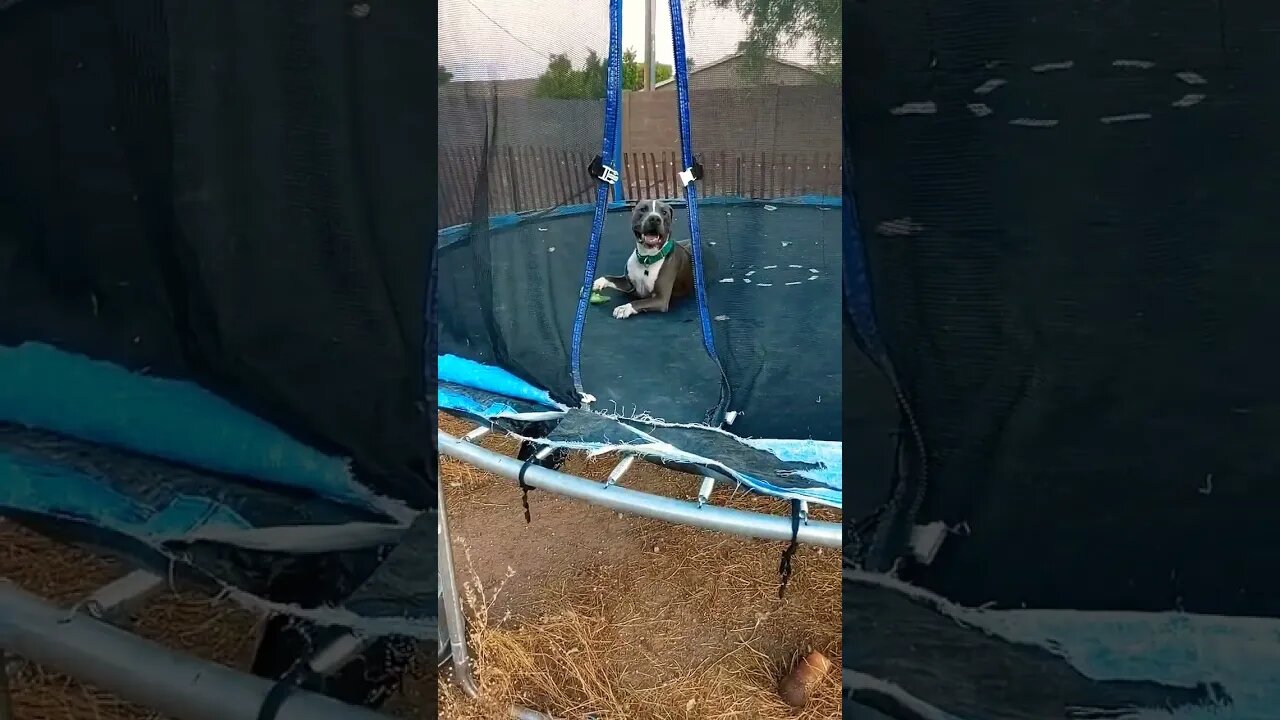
x: 624, y: 311
x: 601, y: 283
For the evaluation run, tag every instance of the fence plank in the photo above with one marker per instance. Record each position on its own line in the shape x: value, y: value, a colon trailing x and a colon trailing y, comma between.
x: 524, y: 178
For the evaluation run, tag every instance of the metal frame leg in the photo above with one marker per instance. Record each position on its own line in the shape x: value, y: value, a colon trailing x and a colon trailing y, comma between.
x: 455, y: 621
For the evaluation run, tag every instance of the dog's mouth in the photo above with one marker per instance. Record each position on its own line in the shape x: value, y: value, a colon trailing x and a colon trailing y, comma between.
x: 653, y: 242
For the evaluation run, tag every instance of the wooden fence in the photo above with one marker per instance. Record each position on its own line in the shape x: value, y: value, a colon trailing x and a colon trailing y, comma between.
x: 534, y: 178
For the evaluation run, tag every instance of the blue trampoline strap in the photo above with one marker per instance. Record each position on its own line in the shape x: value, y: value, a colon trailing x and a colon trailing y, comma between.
x: 681, y: 72
x: 608, y: 154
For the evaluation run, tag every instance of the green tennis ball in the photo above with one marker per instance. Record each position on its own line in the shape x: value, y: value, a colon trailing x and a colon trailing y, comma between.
x: 597, y: 298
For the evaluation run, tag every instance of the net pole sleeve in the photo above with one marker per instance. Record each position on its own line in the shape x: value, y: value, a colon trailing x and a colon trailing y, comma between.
x: 681, y: 72
x: 613, y: 92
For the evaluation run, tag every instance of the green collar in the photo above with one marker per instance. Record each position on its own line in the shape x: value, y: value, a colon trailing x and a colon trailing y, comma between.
x: 651, y: 259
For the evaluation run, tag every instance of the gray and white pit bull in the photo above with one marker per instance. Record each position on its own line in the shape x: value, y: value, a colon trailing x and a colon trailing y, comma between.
x: 659, y: 271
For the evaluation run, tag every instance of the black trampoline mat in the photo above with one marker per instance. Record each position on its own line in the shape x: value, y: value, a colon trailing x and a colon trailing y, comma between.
x: 773, y: 289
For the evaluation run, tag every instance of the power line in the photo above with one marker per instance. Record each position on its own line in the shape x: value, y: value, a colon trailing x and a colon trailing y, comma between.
x: 498, y: 25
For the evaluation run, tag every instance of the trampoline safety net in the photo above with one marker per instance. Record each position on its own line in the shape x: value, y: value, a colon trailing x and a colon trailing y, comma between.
x: 212, y: 288
x: 1068, y: 214
x: 524, y: 104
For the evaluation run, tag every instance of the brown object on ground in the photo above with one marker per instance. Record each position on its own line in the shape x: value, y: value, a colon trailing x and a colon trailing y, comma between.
x: 808, y: 673
x: 585, y: 612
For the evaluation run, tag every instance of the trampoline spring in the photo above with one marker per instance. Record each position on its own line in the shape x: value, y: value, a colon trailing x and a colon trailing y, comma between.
x: 476, y: 434
x: 704, y: 492
x: 619, y: 470
x: 117, y: 599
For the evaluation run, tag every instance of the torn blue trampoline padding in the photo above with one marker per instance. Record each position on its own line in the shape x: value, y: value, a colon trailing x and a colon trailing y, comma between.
x: 457, y: 402
x: 454, y: 369
x: 45, y: 388
x: 1241, y: 655
x: 823, y: 455
x: 61, y: 492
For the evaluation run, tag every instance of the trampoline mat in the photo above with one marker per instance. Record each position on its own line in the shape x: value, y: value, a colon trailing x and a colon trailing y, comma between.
x: 772, y: 279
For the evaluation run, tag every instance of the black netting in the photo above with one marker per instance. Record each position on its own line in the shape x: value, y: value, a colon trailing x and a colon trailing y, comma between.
x: 229, y: 193
x: 519, y: 128
x: 1068, y: 209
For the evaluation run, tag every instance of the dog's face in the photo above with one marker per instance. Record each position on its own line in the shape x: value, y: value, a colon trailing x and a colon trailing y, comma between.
x: 651, y: 223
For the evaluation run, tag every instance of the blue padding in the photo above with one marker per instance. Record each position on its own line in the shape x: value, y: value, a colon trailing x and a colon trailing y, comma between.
x: 454, y: 233
x: 447, y: 399
x: 826, y: 455
x: 44, y: 388
x: 470, y: 373
x: 57, y: 491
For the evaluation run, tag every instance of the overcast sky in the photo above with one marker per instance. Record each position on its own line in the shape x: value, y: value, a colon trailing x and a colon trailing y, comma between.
x: 518, y: 36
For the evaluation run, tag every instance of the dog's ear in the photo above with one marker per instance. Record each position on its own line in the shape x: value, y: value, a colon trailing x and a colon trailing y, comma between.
x: 666, y: 211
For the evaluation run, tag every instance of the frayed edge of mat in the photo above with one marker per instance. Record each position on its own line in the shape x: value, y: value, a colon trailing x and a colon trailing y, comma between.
x: 657, y: 448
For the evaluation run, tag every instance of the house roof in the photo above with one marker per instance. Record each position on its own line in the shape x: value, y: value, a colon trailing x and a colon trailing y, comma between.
x: 735, y: 56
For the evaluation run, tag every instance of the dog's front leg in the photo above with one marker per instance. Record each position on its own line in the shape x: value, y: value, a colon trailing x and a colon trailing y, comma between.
x: 653, y: 303
x: 621, y: 283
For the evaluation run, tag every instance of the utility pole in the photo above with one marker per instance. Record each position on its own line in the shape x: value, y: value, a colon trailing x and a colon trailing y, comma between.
x: 649, y: 10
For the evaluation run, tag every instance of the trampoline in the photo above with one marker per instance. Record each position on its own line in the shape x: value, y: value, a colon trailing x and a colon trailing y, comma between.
x: 212, y: 295
x: 739, y: 384
x: 1060, y: 263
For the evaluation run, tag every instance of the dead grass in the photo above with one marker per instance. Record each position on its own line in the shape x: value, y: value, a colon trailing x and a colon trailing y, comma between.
x: 691, y: 628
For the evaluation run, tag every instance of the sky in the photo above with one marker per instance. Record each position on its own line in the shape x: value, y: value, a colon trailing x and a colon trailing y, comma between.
x: 505, y: 39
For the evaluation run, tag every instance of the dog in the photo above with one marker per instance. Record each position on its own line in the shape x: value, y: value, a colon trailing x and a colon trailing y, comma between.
x: 659, y: 270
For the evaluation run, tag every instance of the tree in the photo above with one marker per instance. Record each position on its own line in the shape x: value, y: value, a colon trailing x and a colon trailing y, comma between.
x: 560, y: 79
x: 444, y: 76
x: 777, y: 24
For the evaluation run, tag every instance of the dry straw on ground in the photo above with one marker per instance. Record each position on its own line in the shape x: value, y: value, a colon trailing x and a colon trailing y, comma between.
x: 689, y: 626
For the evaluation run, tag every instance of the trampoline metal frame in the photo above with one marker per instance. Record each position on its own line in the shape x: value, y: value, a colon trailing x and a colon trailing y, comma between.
x: 82, y: 643
x: 608, y: 494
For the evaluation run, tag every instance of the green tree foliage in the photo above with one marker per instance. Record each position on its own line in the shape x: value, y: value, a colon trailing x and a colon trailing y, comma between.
x: 778, y: 24
x: 444, y: 75
x: 561, y: 80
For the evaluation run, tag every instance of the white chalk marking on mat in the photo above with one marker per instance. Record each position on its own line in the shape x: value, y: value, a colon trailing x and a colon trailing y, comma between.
x: 1136, y: 64
x: 1191, y: 78
x: 722, y: 317
x: 990, y: 85
x: 551, y: 249
x: 746, y: 280
x: 727, y: 280
x: 764, y: 284
x: 794, y: 283
x: 750, y: 273
x: 1033, y: 122
x: 1050, y: 67
x: 770, y: 208
x: 916, y: 108
x: 795, y: 266
x: 813, y: 277
x: 1188, y: 100
x: 1208, y: 485
x: 1131, y: 117
x: 980, y: 109
x: 713, y: 242
x: 770, y: 267
x: 542, y: 229
x: 898, y: 228
x: 785, y: 243
x: 812, y: 270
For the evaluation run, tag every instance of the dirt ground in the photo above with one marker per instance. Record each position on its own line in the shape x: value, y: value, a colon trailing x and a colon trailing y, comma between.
x: 583, y: 613
x: 586, y: 613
